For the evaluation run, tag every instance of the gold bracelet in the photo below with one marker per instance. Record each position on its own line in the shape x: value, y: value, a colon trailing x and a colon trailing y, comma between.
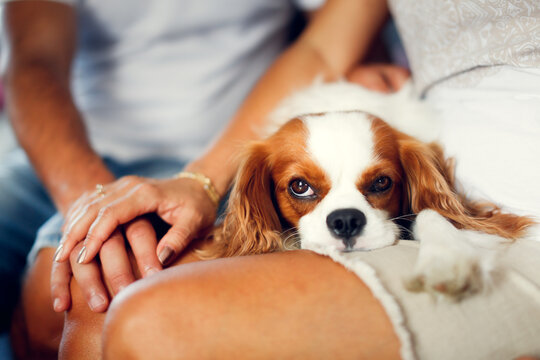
x: 205, y: 182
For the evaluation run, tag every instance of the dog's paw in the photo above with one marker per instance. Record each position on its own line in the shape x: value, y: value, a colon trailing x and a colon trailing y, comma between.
x: 452, y: 279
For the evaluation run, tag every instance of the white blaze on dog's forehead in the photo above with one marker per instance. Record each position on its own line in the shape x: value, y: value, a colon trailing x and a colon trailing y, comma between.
x: 341, y: 143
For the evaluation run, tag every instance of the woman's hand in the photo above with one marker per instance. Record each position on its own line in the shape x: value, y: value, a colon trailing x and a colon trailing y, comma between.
x: 182, y: 203
x: 93, y: 225
x: 384, y: 78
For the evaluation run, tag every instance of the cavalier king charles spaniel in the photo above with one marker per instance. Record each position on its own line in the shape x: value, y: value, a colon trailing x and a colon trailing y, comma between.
x: 342, y: 170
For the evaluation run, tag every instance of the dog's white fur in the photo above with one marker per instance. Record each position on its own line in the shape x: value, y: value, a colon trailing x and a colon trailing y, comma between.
x: 402, y: 110
x: 451, y: 261
x: 343, y: 152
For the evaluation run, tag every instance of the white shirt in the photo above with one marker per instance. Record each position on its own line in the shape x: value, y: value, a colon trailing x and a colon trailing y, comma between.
x: 163, y: 77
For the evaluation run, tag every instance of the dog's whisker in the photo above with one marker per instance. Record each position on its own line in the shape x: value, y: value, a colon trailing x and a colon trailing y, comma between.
x: 406, y: 230
x: 291, y: 239
x: 404, y: 217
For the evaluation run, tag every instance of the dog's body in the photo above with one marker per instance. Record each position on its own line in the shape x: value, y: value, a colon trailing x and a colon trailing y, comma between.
x: 339, y: 176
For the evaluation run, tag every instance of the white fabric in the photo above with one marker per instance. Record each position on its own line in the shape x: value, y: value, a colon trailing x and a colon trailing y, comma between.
x: 446, y: 37
x: 163, y: 77
x: 502, y: 322
x: 493, y: 131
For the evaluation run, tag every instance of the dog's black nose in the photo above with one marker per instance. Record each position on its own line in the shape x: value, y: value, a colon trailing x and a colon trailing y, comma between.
x: 346, y: 223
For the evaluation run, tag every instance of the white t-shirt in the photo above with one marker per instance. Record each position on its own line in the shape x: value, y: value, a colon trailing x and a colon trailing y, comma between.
x: 161, y: 78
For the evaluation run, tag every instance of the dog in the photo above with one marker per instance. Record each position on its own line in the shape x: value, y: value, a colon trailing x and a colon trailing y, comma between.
x: 341, y: 167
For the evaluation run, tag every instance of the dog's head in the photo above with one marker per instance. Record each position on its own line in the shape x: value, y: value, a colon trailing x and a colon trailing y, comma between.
x: 340, y: 180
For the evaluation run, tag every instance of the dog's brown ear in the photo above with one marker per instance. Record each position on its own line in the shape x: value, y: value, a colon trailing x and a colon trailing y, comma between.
x: 251, y: 224
x: 430, y: 184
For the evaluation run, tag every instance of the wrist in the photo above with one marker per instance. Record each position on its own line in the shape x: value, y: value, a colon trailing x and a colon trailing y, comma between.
x: 205, y: 182
x: 67, y: 190
x: 218, y: 177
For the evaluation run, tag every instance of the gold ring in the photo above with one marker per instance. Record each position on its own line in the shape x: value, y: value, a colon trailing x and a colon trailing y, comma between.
x: 100, y: 190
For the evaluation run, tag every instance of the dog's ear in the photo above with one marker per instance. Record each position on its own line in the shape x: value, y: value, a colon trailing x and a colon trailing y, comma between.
x: 430, y: 184
x: 251, y: 224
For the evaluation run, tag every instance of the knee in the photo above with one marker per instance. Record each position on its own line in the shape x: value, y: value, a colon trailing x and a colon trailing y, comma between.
x: 124, y: 326
x: 142, y: 324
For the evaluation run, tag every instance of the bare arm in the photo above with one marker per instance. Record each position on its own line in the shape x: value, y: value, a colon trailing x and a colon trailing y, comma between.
x: 41, y: 39
x: 335, y: 40
x: 337, y: 37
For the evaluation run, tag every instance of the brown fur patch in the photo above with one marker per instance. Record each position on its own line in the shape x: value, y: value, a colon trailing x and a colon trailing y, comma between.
x: 253, y: 224
x: 387, y: 164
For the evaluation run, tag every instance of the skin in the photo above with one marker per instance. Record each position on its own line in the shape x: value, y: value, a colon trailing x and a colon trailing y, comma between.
x: 350, y: 323
x: 43, y: 62
x: 284, y: 296
x: 180, y: 202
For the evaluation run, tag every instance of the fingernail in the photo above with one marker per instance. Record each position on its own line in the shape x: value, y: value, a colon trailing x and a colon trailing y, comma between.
x: 96, y: 301
x: 58, y: 253
x: 56, y: 305
x: 166, y: 255
x: 82, y: 255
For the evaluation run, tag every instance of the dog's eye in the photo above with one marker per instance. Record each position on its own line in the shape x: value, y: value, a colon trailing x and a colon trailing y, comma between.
x: 300, y: 188
x: 381, y: 184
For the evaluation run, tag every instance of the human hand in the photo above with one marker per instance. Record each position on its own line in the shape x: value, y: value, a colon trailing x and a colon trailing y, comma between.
x: 384, y: 78
x: 182, y: 203
x: 114, y: 268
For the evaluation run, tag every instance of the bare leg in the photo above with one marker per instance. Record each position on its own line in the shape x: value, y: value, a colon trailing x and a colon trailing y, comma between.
x: 38, y: 332
x: 82, y: 336
x: 283, y: 305
x: 294, y: 304
x: 37, y: 329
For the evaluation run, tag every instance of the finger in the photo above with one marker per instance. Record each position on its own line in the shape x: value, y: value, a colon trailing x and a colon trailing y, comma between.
x: 396, y: 77
x: 370, y: 78
x: 76, y: 230
x: 115, y: 263
x: 142, y: 238
x: 142, y: 199
x: 179, y: 236
x: 75, y: 209
x: 82, y: 224
x: 88, y: 276
x: 86, y: 209
x: 60, y: 293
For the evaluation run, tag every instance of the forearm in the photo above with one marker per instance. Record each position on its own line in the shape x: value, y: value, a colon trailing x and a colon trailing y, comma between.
x: 324, y: 50
x: 50, y: 129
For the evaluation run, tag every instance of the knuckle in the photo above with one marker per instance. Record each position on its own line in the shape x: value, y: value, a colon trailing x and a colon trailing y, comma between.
x: 137, y: 231
x: 146, y: 189
x: 181, y: 236
x: 117, y: 280
x: 58, y: 289
x: 130, y: 180
x: 105, y: 212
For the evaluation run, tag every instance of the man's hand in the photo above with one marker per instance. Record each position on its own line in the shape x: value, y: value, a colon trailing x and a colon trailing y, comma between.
x: 114, y: 271
x: 384, y: 78
x: 92, y: 227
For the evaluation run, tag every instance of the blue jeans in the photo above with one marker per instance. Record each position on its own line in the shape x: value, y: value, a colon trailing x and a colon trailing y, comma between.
x: 26, y: 211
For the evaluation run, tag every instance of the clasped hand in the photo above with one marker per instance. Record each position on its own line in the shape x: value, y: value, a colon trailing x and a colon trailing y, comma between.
x: 100, y: 222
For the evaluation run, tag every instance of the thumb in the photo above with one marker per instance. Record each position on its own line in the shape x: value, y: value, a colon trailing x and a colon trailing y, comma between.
x: 178, y: 238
